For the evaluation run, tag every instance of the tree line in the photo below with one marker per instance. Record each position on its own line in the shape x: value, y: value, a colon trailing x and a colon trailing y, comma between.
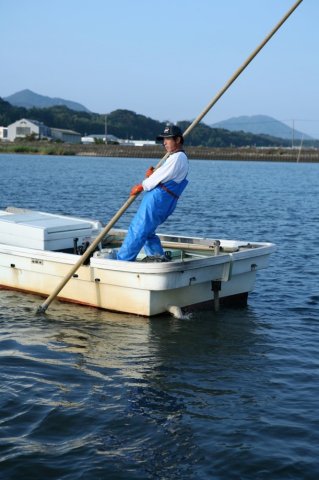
x: 126, y: 124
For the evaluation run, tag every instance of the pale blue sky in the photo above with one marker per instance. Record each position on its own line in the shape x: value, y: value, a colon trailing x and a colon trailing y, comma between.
x: 165, y: 59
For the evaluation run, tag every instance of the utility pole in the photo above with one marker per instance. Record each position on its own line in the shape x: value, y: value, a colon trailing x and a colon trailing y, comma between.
x: 293, y: 134
x: 105, y: 129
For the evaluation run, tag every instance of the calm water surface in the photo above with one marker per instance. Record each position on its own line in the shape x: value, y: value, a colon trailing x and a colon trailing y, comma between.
x: 88, y: 394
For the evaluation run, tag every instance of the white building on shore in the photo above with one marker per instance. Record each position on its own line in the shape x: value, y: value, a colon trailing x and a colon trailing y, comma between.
x: 139, y: 143
x: 24, y: 128
x: 3, y: 134
x: 67, y: 136
x: 94, y: 137
x: 112, y: 139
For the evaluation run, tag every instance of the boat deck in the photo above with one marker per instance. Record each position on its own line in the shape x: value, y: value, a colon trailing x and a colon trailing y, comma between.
x: 38, y: 250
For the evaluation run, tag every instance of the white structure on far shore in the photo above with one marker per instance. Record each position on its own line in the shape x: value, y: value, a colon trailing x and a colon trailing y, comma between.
x: 112, y: 139
x: 24, y: 128
x: 3, y: 133
x: 67, y: 136
x: 140, y: 143
x: 93, y: 137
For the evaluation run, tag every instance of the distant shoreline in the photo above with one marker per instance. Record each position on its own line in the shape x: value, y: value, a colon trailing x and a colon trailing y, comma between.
x: 157, y: 151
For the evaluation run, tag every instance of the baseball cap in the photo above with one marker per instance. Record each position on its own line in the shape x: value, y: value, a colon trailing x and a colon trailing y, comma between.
x: 170, y: 131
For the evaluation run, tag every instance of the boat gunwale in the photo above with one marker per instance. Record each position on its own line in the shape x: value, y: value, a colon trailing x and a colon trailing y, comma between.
x: 141, y: 267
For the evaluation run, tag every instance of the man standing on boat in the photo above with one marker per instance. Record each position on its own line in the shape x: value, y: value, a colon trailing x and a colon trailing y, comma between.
x: 162, y: 188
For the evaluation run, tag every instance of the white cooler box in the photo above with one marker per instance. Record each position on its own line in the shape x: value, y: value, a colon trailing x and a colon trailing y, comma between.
x: 44, y: 231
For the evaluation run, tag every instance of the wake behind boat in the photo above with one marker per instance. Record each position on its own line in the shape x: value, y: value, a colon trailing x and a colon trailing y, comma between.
x: 37, y: 250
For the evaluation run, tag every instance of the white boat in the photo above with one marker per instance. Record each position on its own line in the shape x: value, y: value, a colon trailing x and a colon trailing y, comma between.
x: 38, y: 249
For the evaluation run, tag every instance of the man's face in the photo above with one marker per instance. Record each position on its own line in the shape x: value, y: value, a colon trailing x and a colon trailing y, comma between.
x: 171, y: 144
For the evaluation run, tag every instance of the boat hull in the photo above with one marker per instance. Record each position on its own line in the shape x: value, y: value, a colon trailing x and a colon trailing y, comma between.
x: 35, y: 257
x: 132, y: 287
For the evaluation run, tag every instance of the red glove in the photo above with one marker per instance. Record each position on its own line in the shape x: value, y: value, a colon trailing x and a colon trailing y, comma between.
x: 136, y: 189
x: 149, y: 172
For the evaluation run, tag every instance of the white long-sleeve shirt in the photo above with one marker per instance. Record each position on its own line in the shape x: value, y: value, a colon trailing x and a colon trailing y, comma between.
x: 174, y: 168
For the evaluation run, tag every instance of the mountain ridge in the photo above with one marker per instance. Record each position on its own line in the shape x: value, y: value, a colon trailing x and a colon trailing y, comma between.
x: 130, y: 125
x: 261, y: 124
x: 255, y: 124
x: 28, y: 99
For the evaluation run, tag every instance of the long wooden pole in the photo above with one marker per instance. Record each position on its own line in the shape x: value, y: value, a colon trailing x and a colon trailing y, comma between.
x: 42, y: 308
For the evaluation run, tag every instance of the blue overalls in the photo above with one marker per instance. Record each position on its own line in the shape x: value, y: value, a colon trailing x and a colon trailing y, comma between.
x: 157, y: 205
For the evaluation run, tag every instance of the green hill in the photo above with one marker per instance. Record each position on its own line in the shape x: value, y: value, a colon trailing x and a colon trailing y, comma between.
x: 126, y: 124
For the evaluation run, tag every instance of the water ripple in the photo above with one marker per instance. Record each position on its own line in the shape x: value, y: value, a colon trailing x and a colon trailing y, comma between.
x: 90, y: 394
